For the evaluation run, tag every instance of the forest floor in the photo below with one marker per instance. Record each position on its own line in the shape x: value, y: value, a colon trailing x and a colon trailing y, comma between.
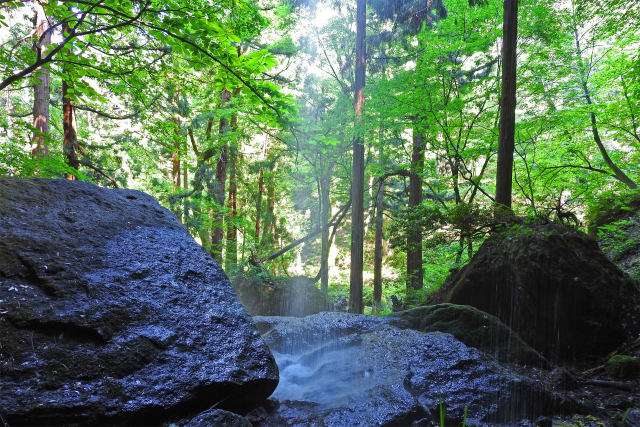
x: 601, y: 400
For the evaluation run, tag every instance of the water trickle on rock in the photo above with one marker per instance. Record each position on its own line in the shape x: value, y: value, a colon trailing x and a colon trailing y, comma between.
x: 342, y: 369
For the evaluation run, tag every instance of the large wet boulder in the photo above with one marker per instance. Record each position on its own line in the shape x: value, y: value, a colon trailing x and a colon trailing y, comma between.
x: 553, y: 286
x: 473, y: 327
x: 340, y: 369
x: 110, y: 313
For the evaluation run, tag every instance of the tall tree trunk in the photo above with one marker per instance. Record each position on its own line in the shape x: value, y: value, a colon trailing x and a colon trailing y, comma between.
x: 259, y: 203
x: 357, y: 181
x: 414, y: 234
x: 175, y: 156
x: 219, y: 190
x: 325, y: 217
x: 270, y: 216
x: 41, y: 92
x: 231, y: 252
x: 70, y: 135
x: 265, y: 152
x: 70, y: 139
x: 185, y: 179
x: 377, y: 250
x: 506, y: 137
x: 617, y: 172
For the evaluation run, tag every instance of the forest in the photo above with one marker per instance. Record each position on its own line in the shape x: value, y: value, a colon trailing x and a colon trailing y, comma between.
x: 320, y: 212
x: 254, y: 124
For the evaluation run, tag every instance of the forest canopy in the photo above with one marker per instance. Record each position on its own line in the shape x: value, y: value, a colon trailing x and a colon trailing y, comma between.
x: 271, y: 128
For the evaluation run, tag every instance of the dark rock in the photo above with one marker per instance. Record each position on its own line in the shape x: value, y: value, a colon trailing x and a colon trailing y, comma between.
x: 340, y: 369
x: 218, y: 417
x: 111, y: 313
x: 544, y: 422
x: 341, y: 303
x: 264, y: 296
x: 622, y: 367
x: 473, y: 327
x: 554, y: 287
x: 563, y: 379
x: 632, y: 418
x: 396, y: 304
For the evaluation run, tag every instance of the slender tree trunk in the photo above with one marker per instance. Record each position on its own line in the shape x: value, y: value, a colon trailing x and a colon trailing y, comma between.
x: 70, y: 135
x: 231, y: 251
x: 219, y: 190
x: 617, y: 172
x: 259, y: 203
x: 175, y: 156
x: 41, y: 93
x: 414, y: 234
x: 70, y: 139
x: 175, y: 165
x: 377, y: 251
x: 270, y: 216
x: 507, y: 104
x: 185, y: 179
x: 357, y: 181
x: 265, y: 153
x: 325, y: 217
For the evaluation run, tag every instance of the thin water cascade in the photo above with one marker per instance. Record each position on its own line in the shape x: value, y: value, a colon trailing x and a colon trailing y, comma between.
x: 341, y: 369
x: 326, y: 376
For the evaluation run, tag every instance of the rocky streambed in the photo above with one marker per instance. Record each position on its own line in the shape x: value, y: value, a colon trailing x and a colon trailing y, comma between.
x: 342, y: 369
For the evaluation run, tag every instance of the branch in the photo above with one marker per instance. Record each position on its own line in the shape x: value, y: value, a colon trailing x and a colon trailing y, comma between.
x: 225, y: 66
x: 112, y: 117
x: 40, y: 61
x: 20, y: 115
x: 87, y: 163
x: 590, y: 168
x: 335, y: 222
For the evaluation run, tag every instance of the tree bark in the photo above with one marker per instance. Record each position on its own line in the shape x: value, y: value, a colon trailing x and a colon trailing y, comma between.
x: 377, y: 251
x: 231, y: 250
x: 414, y: 233
x: 70, y: 138
x: 175, y: 156
x: 219, y: 189
x: 259, y: 203
x: 357, y: 181
x: 269, y: 219
x: 41, y: 92
x: 507, y: 104
x: 325, y: 201
x: 70, y: 135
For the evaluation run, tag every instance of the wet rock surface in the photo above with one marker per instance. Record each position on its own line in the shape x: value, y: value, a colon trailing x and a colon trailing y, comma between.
x: 473, y: 327
x: 110, y: 313
x: 554, y: 287
x: 341, y: 369
x: 218, y: 417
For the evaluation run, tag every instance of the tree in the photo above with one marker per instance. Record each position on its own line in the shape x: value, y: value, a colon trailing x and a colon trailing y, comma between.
x: 41, y: 94
x: 357, y: 182
x: 506, y: 137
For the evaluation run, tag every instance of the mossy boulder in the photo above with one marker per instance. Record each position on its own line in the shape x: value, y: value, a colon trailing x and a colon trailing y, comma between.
x: 473, y: 327
x: 622, y: 367
x: 262, y: 295
x: 554, y: 287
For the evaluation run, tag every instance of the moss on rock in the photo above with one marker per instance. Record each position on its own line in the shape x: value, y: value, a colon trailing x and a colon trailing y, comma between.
x: 621, y: 366
x: 473, y: 327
